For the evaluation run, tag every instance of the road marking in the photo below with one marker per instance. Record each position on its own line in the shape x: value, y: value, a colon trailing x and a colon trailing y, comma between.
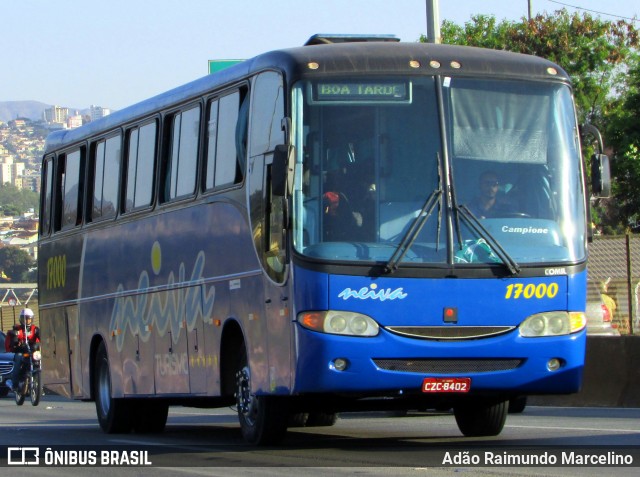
x: 577, y: 429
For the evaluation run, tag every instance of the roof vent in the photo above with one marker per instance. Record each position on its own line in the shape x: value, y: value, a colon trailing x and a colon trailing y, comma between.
x: 324, y: 38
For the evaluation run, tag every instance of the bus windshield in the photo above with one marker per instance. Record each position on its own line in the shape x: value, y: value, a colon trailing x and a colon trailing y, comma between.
x: 437, y: 170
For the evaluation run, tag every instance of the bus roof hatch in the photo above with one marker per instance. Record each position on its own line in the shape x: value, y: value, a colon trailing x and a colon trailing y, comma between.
x: 327, y: 38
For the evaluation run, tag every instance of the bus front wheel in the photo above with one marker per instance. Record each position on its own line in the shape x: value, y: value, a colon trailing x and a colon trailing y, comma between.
x: 263, y: 419
x: 481, y: 419
x: 114, y: 415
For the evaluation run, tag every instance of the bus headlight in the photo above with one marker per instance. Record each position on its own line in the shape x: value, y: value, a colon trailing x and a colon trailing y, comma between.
x: 553, y: 323
x: 339, y: 323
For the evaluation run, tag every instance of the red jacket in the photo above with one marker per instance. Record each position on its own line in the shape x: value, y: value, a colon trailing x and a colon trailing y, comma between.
x: 16, y: 337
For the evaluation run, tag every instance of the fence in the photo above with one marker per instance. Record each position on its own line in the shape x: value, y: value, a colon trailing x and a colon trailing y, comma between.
x: 614, y: 262
x: 14, y: 297
x: 614, y: 265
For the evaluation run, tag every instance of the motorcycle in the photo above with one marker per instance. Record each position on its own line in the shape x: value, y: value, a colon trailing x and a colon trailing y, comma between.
x: 29, y: 381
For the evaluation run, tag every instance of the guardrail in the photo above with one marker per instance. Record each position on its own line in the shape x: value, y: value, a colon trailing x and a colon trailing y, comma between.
x: 611, y: 375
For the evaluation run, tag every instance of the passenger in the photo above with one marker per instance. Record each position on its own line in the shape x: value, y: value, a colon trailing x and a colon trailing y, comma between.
x: 348, y: 201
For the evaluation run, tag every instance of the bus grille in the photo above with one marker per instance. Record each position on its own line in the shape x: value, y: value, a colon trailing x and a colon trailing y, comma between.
x: 450, y: 333
x: 6, y: 367
x: 447, y: 366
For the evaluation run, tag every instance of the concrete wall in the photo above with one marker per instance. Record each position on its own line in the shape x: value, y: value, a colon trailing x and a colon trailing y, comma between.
x: 611, y: 375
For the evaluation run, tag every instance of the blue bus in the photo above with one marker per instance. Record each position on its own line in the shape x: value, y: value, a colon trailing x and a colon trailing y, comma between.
x: 354, y: 224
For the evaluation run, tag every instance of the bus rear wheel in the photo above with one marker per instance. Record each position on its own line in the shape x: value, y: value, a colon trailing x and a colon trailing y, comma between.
x: 263, y: 419
x: 481, y: 419
x: 114, y: 415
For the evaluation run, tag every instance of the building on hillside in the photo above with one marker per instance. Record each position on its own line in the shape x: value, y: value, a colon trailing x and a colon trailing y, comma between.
x: 97, y: 112
x: 21, y: 233
x: 29, y: 182
x: 56, y: 114
x: 74, y: 121
x: 11, y: 172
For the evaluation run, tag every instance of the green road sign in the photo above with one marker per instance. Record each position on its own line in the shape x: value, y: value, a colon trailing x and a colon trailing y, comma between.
x: 219, y: 65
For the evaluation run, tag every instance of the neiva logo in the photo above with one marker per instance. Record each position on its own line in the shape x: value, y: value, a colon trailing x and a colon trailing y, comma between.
x: 372, y: 293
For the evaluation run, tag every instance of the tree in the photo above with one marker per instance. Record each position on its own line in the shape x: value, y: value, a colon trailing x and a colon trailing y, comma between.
x: 599, y: 57
x: 592, y: 51
x: 10, y: 210
x: 623, y: 133
x: 14, y: 200
x: 15, y: 263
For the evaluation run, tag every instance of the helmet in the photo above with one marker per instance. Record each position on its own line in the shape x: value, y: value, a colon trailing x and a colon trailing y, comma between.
x: 26, y: 313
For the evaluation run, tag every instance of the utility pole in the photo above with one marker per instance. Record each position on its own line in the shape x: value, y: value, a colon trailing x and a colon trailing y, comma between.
x: 530, y: 9
x: 433, y: 21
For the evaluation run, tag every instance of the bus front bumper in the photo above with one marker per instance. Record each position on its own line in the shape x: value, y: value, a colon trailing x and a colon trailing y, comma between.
x: 503, y: 365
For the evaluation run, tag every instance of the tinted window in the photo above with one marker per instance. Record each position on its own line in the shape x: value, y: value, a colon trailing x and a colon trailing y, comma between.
x: 182, y: 166
x: 47, y: 194
x: 267, y: 113
x: 71, y: 190
x: 106, y: 178
x: 226, y: 130
x: 141, y: 157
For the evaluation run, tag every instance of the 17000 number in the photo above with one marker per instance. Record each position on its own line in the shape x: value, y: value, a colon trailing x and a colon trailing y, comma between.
x: 541, y: 290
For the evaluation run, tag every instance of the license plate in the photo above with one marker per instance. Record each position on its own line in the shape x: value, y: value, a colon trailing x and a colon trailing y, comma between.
x: 446, y: 385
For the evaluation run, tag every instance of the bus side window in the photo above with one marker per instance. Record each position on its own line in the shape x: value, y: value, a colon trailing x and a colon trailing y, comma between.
x: 46, y: 205
x: 105, y: 166
x: 181, y: 164
x: 224, y: 155
x: 71, y: 191
x: 141, y: 154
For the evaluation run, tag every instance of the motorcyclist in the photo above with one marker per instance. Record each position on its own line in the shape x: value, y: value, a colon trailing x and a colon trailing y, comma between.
x: 16, y: 340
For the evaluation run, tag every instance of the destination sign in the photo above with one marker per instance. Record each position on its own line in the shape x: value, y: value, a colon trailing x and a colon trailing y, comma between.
x: 379, y: 91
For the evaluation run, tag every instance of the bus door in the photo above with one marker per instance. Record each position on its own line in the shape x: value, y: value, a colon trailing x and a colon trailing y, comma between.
x: 75, y: 355
x: 172, y: 358
x: 198, y: 362
x: 267, y: 204
x: 180, y: 358
x: 61, y: 353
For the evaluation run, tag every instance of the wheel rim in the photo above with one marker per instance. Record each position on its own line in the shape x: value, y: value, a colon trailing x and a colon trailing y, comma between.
x: 246, y: 402
x: 104, y: 390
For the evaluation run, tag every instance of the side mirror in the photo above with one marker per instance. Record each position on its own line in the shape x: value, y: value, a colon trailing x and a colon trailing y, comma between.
x: 600, y: 176
x: 280, y: 169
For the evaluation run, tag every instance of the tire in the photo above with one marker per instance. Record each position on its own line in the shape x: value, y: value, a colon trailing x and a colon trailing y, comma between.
x: 321, y: 419
x: 21, y: 393
x: 298, y: 419
x: 4, y: 392
x: 150, y: 417
x: 114, y: 415
x: 263, y: 419
x: 36, y: 388
x: 517, y: 404
x: 482, y: 419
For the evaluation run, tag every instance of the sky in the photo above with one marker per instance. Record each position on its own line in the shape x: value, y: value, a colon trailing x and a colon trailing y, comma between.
x: 77, y: 53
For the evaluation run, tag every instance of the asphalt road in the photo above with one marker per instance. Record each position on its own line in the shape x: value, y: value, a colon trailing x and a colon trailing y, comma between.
x: 208, y: 442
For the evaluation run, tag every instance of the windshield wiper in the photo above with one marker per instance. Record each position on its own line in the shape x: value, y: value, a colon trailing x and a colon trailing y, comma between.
x: 411, y: 234
x: 477, y: 227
